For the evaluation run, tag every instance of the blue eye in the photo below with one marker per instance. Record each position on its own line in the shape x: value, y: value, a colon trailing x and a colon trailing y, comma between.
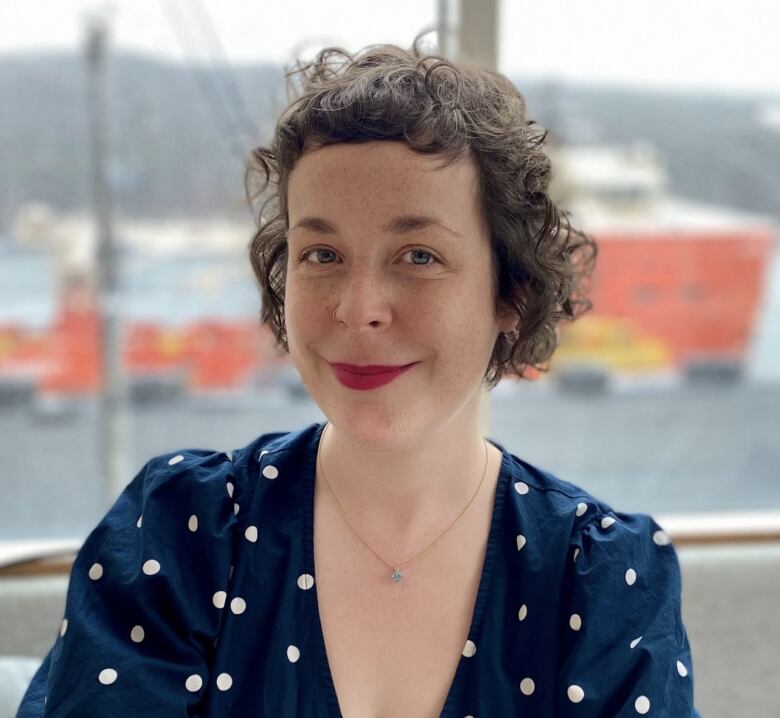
x: 306, y: 254
x: 432, y: 263
x: 424, y: 251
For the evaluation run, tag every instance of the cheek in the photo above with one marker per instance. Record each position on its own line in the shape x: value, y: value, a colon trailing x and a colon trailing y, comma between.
x: 459, y: 334
x: 302, y: 307
x: 472, y: 327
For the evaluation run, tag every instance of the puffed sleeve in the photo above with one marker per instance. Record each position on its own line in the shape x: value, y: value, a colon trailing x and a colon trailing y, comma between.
x: 625, y: 651
x: 144, y: 598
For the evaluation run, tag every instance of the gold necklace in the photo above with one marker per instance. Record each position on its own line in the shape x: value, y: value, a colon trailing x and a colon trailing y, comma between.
x: 396, y: 575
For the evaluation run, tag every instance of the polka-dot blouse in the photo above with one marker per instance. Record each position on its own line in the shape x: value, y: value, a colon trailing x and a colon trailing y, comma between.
x: 196, y: 594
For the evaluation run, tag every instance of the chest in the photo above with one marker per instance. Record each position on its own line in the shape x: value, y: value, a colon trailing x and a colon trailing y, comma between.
x: 393, y: 649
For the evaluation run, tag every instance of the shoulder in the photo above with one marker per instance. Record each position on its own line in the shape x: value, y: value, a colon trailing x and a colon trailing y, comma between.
x: 282, y: 451
x: 268, y: 471
x: 591, y: 549
x: 209, y: 469
x: 295, y: 441
x: 570, y: 515
x: 204, y: 475
x: 186, y: 465
x: 200, y: 475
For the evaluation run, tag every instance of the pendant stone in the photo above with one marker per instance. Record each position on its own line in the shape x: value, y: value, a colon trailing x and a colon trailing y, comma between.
x: 397, y: 575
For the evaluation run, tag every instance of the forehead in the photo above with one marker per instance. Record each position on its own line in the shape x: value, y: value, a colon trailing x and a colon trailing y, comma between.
x: 380, y: 177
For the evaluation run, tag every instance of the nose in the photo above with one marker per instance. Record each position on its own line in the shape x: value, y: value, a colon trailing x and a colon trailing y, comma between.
x: 363, y: 302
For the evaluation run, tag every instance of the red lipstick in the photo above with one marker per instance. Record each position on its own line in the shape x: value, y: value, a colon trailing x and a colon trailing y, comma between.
x: 369, y: 376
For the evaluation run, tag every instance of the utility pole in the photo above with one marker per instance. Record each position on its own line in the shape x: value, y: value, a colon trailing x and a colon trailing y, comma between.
x: 447, y: 22
x: 468, y: 33
x: 477, y: 32
x: 112, y: 416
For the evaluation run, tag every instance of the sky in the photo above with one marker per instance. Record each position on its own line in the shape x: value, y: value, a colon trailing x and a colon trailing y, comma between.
x: 719, y: 45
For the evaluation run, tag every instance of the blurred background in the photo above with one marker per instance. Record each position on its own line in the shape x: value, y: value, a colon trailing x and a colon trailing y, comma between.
x: 129, y: 316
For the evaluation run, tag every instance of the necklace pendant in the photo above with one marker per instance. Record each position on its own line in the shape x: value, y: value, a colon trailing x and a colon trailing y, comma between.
x: 397, y: 575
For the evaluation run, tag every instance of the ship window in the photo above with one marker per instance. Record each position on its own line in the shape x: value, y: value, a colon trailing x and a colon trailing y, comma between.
x: 645, y: 294
x: 692, y: 292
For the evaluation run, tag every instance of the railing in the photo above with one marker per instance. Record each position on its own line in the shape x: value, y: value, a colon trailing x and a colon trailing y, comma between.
x: 36, y: 558
x: 721, y: 528
x: 50, y: 558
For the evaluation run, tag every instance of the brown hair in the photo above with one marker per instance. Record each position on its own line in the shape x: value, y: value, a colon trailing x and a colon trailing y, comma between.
x: 437, y: 107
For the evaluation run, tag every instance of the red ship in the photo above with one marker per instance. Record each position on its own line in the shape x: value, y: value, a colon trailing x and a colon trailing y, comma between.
x: 677, y: 285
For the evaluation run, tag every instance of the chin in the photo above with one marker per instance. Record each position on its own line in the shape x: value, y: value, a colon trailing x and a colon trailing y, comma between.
x: 373, y: 426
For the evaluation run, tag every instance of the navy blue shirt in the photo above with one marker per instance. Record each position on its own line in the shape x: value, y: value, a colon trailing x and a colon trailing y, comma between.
x: 196, y: 595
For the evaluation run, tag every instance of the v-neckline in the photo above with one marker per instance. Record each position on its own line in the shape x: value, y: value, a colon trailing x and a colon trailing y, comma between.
x: 485, y: 580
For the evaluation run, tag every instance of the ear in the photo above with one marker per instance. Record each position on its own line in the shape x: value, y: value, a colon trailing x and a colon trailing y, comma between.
x: 508, y: 319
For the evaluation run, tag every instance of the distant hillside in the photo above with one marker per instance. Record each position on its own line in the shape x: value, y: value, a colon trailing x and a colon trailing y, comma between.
x: 180, y: 137
x: 175, y: 149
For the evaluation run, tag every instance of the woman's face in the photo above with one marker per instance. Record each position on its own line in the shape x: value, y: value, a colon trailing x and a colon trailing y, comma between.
x: 403, y: 291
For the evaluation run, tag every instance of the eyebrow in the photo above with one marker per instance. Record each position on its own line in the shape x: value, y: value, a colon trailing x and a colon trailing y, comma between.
x: 397, y: 225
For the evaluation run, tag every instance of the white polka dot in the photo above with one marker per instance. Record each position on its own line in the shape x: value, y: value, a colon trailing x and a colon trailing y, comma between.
x: 582, y: 507
x: 138, y: 523
x: 681, y: 669
x: 235, y: 509
x: 630, y: 577
x: 137, y: 634
x: 64, y: 627
x: 151, y: 567
x: 575, y: 693
x: 660, y: 538
x: 520, y: 541
x: 95, y: 571
x: 642, y: 705
x: 576, y: 553
x: 522, y: 613
x: 270, y: 471
x: 305, y: 581
x: 192, y: 524
x: 238, y: 605
x: 193, y: 683
x: 521, y: 487
x: 230, y: 487
x: 527, y: 686
x: 218, y: 599
x: 251, y: 533
x: 107, y: 676
x: 224, y: 681
x: 607, y: 521
x: 469, y: 649
x: 293, y: 654
x: 575, y: 622
x: 634, y: 643
x: 176, y: 459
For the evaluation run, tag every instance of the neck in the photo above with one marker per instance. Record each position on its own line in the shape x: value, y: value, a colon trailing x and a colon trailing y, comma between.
x: 412, y: 491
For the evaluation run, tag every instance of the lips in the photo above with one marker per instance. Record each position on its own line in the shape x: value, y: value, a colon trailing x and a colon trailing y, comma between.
x: 368, y: 369
x: 367, y: 376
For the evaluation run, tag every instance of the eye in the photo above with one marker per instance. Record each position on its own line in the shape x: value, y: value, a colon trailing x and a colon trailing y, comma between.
x: 434, y: 261
x: 310, y: 251
x: 424, y: 251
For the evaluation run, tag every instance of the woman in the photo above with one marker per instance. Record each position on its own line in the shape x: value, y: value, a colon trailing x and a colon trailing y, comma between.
x: 390, y: 561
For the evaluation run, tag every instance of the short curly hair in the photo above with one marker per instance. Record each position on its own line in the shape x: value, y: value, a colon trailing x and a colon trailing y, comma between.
x: 449, y: 109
